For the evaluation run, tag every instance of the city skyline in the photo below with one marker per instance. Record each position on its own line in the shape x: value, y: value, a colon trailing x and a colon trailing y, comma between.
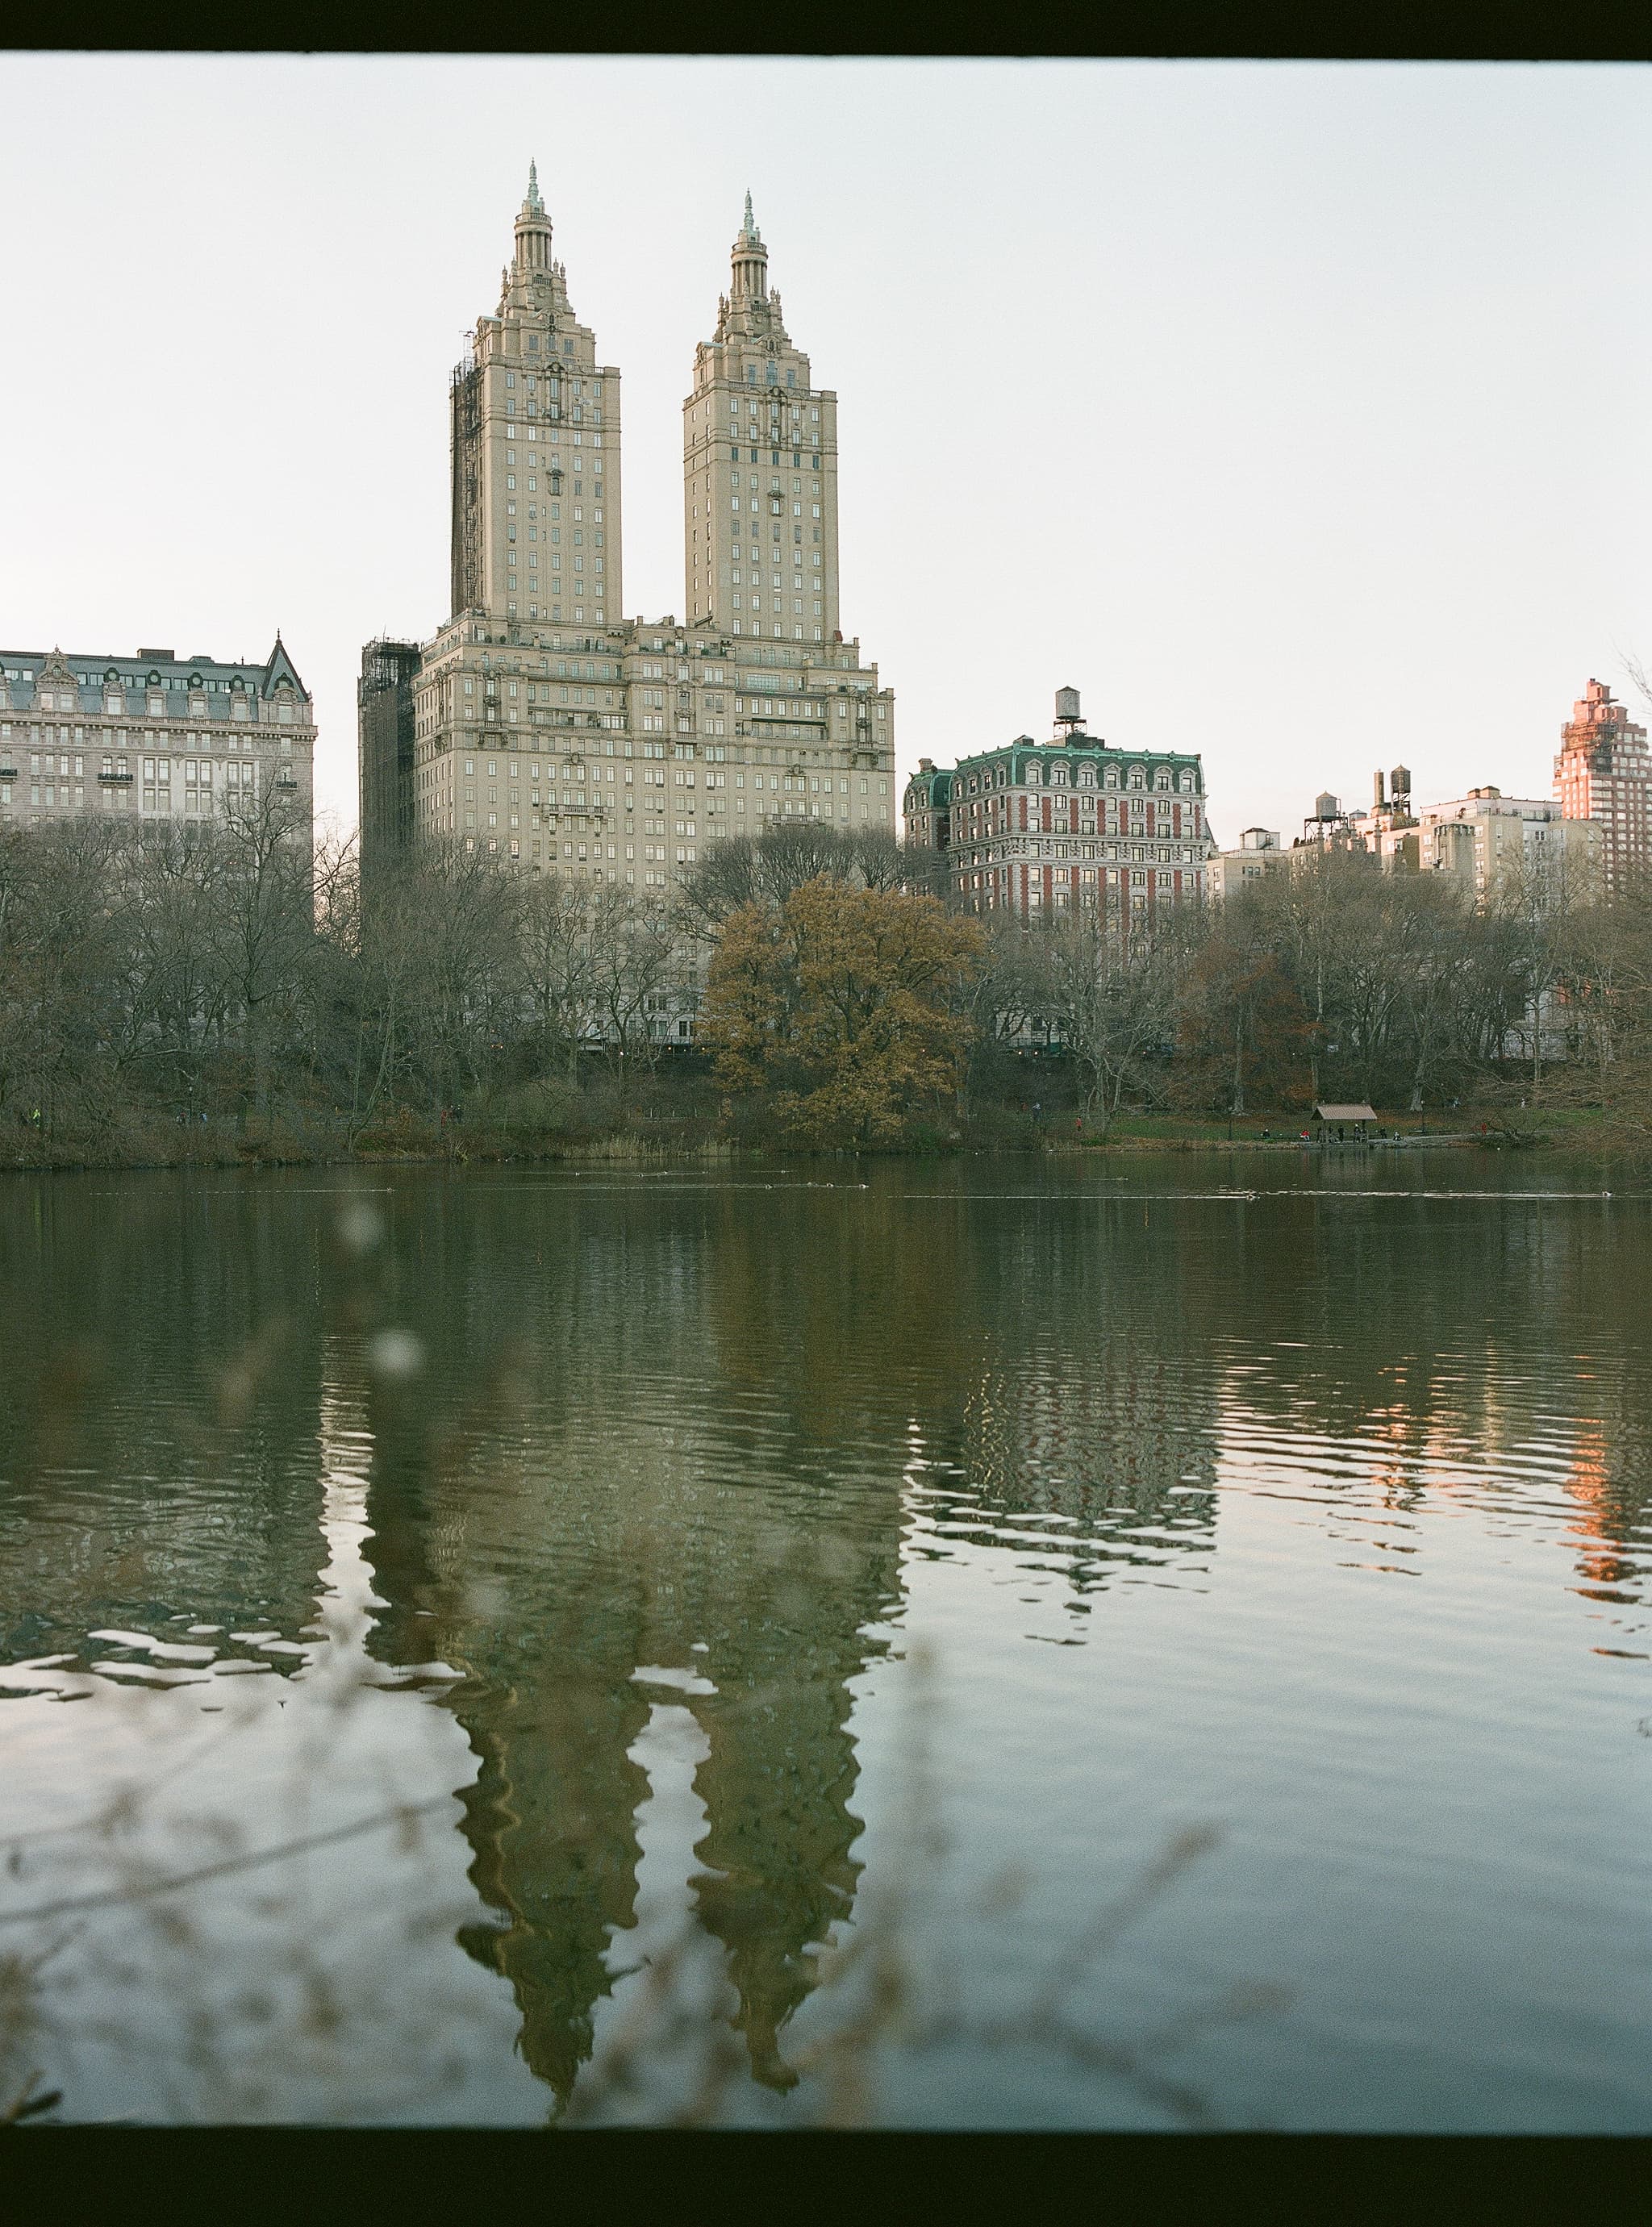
x: 1362, y: 486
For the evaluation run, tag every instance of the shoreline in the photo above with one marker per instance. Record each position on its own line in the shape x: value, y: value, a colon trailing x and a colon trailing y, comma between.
x: 492, y: 1151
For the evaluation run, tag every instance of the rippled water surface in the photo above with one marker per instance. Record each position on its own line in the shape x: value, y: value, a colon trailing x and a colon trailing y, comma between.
x: 1154, y: 1642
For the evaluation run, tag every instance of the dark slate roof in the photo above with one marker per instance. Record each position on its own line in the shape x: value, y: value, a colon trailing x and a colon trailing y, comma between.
x: 936, y: 785
x: 281, y: 667
x: 21, y: 667
x: 1083, y: 748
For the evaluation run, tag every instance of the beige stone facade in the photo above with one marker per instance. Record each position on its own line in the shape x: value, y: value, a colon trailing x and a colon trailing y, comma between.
x: 760, y: 471
x: 537, y: 483
x: 1503, y: 845
x: 615, y: 757
x: 1259, y: 854
x: 151, y: 739
x: 560, y: 736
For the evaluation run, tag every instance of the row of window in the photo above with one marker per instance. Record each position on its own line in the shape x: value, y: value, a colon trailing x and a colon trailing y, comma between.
x: 59, y: 796
x: 813, y: 784
x: 775, y: 456
x: 43, y: 737
x: 118, y: 705
x: 65, y: 700
x: 550, y: 344
x: 553, y: 380
x: 1167, y: 851
x: 553, y: 413
x: 1163, y: 782
x: 552, y: 464
x: 777, y: 414
x: 236, y: 774
x: 1138, y: 878
x: 575, y: 764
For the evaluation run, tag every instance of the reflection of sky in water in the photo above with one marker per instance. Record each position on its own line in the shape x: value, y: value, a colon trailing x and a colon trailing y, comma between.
x: 1314, y: 1510
x: 242, y: 1766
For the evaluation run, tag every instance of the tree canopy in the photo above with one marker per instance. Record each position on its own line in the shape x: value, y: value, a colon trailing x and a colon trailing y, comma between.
x: 845, y: 1004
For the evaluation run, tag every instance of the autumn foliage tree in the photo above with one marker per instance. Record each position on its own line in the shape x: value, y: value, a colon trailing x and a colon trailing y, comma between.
x: 845, y: 1003
x: 1245, y: 1031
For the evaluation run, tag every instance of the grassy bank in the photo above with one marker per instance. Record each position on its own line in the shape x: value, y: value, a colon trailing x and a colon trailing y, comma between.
x: 586, y: 1130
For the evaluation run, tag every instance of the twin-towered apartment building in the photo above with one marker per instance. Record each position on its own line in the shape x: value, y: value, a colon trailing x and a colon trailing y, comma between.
x: 541, y: 726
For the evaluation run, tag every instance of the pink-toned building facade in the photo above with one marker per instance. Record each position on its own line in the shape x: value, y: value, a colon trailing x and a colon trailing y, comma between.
x: 1603, y: 773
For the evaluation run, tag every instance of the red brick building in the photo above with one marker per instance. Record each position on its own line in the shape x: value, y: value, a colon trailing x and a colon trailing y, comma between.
x: 1037, y: 828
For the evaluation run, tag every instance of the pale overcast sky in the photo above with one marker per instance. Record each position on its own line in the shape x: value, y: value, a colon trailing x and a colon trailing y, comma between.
x: 1296, y: 412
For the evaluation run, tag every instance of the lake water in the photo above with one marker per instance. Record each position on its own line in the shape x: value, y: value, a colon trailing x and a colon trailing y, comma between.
x: 1157, y: 1641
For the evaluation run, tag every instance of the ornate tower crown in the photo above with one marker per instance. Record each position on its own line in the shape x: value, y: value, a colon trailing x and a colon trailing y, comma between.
x: 750, y: 261
x: 533, y: 228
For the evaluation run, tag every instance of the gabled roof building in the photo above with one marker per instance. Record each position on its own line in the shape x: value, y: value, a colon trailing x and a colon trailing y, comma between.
x: 152, y: 737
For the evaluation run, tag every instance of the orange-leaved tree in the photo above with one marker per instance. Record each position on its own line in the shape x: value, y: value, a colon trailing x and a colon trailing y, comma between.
x: 1244, y: 1029
x: 843, y: 1003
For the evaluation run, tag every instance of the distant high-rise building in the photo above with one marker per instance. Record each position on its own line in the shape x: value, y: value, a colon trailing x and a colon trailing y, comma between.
x: 561, y: 737
x: 154, y: 737
x: 1603, y: 773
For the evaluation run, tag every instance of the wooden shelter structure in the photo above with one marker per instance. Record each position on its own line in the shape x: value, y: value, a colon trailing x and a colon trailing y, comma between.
x: 1337, y: 1120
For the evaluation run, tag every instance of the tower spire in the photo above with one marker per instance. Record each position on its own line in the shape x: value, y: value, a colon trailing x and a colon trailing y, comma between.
x: 532, y: 230
x: 750, y: 262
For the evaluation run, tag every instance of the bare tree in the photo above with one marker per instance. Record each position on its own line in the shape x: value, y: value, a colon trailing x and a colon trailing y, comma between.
x: 560, y: 976
x: 740, y: 870
x: 1109, y: 998
x: 174, y: 1007
x: 639, y: 959
x: 262, y: 866
x: 62, y: 974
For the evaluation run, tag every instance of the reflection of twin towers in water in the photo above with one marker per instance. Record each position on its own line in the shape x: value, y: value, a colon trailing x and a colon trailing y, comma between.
x: 742, y: 1527
x: 553, y: 1706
